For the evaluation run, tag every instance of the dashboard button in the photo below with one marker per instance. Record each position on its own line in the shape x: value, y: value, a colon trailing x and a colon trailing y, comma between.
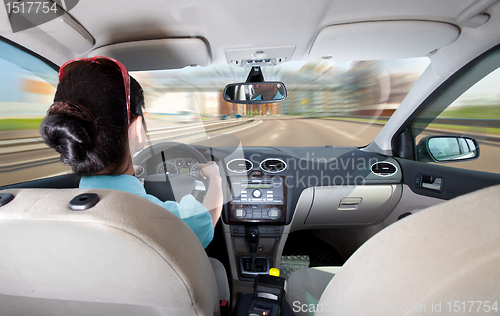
x: 274, y: 213
x: 257, y: 193
x: 239, y: 213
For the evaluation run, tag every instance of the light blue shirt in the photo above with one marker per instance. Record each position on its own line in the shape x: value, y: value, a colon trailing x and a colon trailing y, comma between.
x: 189, y: 210
x: 278, y: 96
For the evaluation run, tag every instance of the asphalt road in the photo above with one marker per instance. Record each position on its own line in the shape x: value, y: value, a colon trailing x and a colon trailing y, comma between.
x: 301, y: 132
x: 263, y: 131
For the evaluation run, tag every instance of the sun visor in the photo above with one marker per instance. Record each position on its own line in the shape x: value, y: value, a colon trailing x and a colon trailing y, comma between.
x: 159, y: 54
x: 382, y: 40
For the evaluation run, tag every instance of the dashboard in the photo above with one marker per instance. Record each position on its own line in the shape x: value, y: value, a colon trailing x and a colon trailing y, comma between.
x: 263, y: 185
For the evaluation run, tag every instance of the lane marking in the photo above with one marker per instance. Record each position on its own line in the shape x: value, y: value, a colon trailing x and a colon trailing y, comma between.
x: 283, y: 125
x: 230, y: 132
x: 274, y: 136
x: 336, y: 130
x: 345, y: 134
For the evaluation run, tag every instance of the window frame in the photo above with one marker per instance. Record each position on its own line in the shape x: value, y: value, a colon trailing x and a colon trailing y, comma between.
x: 403, y: 141
x: 30, y: 52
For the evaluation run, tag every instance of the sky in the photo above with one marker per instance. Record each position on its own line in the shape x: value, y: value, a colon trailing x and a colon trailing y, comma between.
x: 487, y: 88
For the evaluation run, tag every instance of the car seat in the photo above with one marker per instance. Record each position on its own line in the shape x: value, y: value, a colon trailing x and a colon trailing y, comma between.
x: 61, y: 255
x: 442, y: 260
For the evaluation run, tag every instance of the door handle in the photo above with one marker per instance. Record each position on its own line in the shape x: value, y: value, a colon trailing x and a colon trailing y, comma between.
x: 429, y: 182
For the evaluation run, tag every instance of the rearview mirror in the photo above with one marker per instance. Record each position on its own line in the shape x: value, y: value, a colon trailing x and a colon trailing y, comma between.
x: 255, y: 92
x: 447, y: 148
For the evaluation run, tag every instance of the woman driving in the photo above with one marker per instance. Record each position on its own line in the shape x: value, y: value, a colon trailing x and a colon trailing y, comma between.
x: 96, y: 124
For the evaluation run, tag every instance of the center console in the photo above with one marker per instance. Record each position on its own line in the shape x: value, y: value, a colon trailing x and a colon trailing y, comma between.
x: 256, y: 214
x: 257, y: 200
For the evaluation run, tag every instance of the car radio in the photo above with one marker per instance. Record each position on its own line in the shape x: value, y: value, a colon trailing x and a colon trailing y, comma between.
x: 257, y: 200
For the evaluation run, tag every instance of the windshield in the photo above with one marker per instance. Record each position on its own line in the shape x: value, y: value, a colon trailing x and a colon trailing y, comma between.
x: 329, y: 102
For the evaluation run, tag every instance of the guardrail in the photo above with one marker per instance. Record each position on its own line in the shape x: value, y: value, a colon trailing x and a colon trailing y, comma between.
x: 12, y: 143
x: 13, y: 146
x: 492, y: 123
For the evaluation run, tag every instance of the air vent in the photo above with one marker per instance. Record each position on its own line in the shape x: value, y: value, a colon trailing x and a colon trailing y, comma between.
x: 384, y: 169
x: 239, y: 165
x: 273, y: 165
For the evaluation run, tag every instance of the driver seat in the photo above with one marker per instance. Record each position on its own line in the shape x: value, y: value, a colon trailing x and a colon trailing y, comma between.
x: 123, y: 256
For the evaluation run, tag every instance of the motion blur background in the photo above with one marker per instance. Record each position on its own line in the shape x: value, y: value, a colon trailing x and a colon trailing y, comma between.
x: 329, y: 103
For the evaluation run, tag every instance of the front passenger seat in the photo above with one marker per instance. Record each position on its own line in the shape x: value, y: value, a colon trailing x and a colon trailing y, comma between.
x: 442, y: 260
x: 123, y: 256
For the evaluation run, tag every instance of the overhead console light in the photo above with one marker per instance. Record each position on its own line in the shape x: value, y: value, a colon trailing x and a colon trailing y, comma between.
x: 158, y: 54
x: 253, y: 57
x: 377, y: 40
x: 473, y: 16
x: 54, y: 21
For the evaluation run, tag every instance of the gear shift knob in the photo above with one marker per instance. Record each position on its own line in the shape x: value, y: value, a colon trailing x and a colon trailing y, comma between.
x: 253, y: 242
x: 253, y: 239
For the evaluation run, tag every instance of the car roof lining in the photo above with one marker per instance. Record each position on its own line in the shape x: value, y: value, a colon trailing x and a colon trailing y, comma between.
x: 225, y: 27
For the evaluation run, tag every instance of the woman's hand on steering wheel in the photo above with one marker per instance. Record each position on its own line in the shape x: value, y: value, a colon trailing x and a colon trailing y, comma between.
x: 209, y: 170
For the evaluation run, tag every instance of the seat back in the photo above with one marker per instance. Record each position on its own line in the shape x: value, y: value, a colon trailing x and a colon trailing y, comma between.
x: 444, y: 259
x: 123, y: 256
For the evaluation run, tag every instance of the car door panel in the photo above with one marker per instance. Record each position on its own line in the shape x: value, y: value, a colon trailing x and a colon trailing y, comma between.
x: 455, y: 181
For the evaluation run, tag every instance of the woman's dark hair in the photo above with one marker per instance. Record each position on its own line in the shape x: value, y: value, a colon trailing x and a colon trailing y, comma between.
x: 87, y: 124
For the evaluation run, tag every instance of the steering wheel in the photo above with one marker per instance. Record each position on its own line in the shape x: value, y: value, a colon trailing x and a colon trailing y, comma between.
x: 171, y: 187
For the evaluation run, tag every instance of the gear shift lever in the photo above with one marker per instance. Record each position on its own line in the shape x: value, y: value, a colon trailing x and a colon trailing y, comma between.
x: 253, y: 243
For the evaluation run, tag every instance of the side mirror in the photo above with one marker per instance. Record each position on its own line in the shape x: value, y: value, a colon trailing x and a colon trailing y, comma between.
x: 255, y: 92
x: 447, y: 148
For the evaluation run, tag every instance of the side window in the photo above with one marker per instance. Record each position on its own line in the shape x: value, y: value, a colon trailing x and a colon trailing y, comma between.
x: 27, y: 87
x: 475, y: 113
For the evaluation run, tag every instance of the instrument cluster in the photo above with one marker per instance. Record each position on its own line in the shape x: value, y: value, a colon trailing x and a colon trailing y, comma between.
x: 181, y: 166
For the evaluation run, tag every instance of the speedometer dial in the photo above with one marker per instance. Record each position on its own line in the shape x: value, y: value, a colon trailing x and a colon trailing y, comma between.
x: 171, y: 168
